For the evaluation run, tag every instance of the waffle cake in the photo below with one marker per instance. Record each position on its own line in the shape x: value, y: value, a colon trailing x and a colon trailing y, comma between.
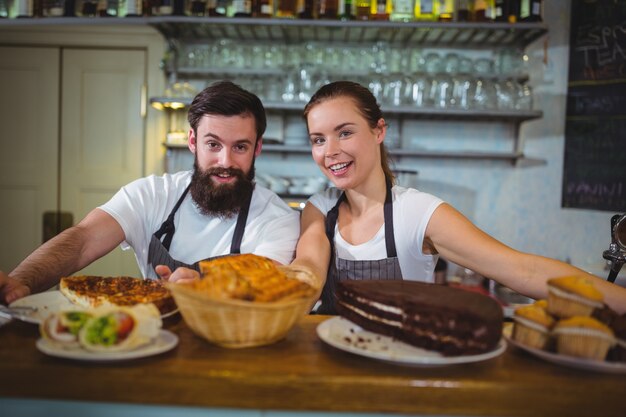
x: 434, y: 317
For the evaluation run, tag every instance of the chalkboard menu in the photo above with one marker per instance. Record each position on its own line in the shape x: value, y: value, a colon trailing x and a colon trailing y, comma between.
x: 594, y: 170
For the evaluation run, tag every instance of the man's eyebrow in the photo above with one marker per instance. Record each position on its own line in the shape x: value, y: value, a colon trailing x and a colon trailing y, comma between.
x: 210, y: 135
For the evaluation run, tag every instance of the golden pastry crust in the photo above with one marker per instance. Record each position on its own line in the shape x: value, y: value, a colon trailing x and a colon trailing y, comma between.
x: 249, y: 277
x: 541, y: 303
x: 577, y: 285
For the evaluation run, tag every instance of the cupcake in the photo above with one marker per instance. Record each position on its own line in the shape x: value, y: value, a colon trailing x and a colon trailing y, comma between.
x: 573, y: 296
x: 583, y: 337
x: 532, y: 325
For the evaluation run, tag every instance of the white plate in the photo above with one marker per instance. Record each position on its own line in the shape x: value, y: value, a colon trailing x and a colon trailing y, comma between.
x: 572, y: 361
x: 165, y: 341
x: 49, y: 302
x: 345, y: 335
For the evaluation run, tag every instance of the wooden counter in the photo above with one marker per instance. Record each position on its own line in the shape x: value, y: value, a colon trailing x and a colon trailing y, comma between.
x: 302, y: 373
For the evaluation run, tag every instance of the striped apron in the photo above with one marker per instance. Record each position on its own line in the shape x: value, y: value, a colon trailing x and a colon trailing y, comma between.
x: 345, y: 269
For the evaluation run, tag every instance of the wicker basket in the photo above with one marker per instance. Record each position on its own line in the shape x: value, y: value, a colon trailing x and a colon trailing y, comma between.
x: 239, y: 324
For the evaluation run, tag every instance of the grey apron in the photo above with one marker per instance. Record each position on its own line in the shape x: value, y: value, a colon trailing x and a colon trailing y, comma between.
x: 344, y: 269
x: 158, y: 251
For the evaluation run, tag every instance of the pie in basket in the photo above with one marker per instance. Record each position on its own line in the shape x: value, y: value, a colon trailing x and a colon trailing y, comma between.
x: 249, y: 277
x: 95, y: 291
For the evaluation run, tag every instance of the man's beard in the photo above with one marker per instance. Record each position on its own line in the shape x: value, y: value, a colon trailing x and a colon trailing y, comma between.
x: 220, y: 200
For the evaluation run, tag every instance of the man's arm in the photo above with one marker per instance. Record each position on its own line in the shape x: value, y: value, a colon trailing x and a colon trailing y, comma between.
x: 73, y: 249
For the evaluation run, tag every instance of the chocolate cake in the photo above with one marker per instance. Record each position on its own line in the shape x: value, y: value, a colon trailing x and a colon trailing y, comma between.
x: 434, y: 317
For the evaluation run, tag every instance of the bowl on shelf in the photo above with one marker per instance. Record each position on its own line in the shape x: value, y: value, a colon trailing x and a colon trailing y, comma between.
x: 235, y: 323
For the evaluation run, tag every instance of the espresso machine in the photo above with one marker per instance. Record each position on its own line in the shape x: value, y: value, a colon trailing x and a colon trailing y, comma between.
x: 616, y: 254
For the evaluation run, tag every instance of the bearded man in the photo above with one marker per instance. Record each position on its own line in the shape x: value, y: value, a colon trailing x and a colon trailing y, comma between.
x: 176, y: 220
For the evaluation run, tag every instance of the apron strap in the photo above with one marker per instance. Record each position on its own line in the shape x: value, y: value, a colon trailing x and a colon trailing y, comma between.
x: 168, y: 228
x: 390, y: 242
x: 242, y: 218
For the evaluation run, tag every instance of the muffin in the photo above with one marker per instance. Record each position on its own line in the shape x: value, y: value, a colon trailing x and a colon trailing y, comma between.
x: 532, y: 325
x: 573, y: 296
x: 583, y: 337
x: 541, y: 303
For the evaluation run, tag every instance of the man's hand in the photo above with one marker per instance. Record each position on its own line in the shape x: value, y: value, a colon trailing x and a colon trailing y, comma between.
x: 180, y: 275
x: 11, y: 289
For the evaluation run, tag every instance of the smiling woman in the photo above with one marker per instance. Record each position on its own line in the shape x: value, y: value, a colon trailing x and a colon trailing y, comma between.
x: 368, y: 228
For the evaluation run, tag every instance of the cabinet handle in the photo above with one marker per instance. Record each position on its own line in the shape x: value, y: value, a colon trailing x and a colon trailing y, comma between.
x: 144, y: 101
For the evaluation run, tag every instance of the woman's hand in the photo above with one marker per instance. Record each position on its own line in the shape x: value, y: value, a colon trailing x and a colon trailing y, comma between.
x: 181, y: 275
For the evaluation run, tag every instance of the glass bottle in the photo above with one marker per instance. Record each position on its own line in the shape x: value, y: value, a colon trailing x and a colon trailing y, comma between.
x: 327, y: 9
x: 425, y: 10
x: 53, y: 8
x: 402, y: 10
x: 513, y: 10
x: 178, y: 7
x: 363, y: 9
x: 4, y: 9
x: 287, y: 9
x: 133, y: 8
x: 88, y: 8
x: 484, y: 10
x: 500, y: 11
x: 531, y: 10
x: 197, y: 7
x: 69, y: 8
x: 463, y: 11
x: 346, y: 10
x: 262, y: 8
x: 379, y: 10
x: 24, y: 8
x: 446, y: 10
x: 242, y: 8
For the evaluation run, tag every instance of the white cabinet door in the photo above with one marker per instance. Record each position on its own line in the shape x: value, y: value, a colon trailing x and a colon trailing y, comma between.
x: 102, y: 135
x: 29, y: 129
x: 71, y: 134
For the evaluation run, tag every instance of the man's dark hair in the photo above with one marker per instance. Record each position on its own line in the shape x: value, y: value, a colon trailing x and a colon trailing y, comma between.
x: 227, y: 99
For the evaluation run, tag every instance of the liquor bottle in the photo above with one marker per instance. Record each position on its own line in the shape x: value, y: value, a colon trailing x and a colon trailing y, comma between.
x: 306, y: 9
x: 287, y: 9
x: 69, y: 8
x: 531, y: 11
x: 133, y: 8
x: 363, y: 9
x: 222, y: 7
x: 463, y: 11
x: 163, y: 8
x: 425, y: 10
x: 24, y: 8
x: 402, y: 10
x: 88, y: 8
x: 513, y: 10
x: 197, y: 8
x: 484, y: 10
x: 262, y: 8
x: 242, y: 8
x: 327, y: 9
x: 446, y: 10
x: 346, y: 10
x: 178, y: 7
x: 378, y: 10
x: 501, y: 11
x: 53, y: 8
x: 4, y: 9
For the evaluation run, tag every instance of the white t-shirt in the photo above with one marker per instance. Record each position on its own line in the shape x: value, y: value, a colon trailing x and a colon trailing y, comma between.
x: 272, y: 228
x: 412, y: 210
